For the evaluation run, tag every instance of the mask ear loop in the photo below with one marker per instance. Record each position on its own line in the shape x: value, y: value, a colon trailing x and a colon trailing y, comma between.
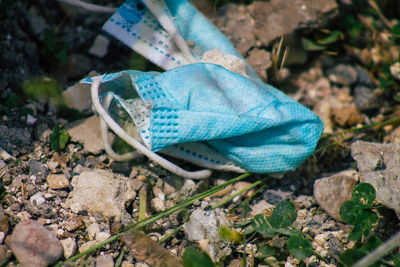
x: 106, y: 139
x: 136, y: 144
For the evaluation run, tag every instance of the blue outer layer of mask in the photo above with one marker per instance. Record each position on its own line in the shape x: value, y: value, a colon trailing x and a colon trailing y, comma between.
x: 249, y: 122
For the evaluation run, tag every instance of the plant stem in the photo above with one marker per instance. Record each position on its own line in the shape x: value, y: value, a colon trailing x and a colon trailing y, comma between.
x: 379, y: 252
x: 229, y: 198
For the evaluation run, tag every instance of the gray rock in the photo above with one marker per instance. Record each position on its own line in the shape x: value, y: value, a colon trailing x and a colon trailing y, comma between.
x: 331, y: 192
x: 34, y: 245
x: 379, y: 165
x: 101, y: 191
x: 276, y: 17
x: 42, y: 132
x: 37, y: 24
x: 365, y: 98
x: 87, y: 131
x: 38, y: 169
x: 15, y: 141
x: 204, y: 225
x: 343, y: 75
x: 363, y: 77
x: 105, y: 261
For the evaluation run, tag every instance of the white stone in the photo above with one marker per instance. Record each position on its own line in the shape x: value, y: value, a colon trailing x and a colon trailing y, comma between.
x: 69, y: 246
x: 37, y: 199
x: 102, y: 236
x: 30, y: 120
x: 93, y: 230
x: 230, y: 62
x: 158, y: 204
x: 101, y: 191
x: 77, y: 97
x: 99, y: 47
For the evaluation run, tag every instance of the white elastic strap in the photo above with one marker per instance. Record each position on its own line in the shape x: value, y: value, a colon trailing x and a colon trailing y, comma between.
x: 89, y: 7
x: 106, y: 140
x: 136, y: 144
x: 169, y: 26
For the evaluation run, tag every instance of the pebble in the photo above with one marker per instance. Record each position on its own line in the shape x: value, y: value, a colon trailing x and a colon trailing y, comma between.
x: 331, y: 192
x: 102, y: 236
x: 77, y: 97
x: 347, y: 116
x: 87, y: 131
x: 77, y: 66
x: 38, y: 169
x: 99, y: 47
x: 37, y: 199
x: 69, y: 246
x: 34, y: 245
x: 260, y: 207
x: 93, y: 230
x: 365, y: 98
x: 158, y: 204
x: 30, y: 120
x: 343, y: 75
x: 57, y: 181
x: 73, y: 223
x: 105, y: 261
x: 274, y: 196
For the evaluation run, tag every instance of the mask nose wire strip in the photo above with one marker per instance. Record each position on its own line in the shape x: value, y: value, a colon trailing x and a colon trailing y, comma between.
x: 136, y: 144
x: 106, y: 140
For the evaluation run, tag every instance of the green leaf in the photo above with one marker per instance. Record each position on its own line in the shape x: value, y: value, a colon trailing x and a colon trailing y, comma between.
x: 193, y: 257
x: 350, y: 211
x: 363, y: 225
x: 299, y: 247
x: 283, y: 215
x: 396, y: 29
x: 364, y: 193
x: 265, y: 251
x: 373, y: 242
x: 63, y: 139
x: 58, y: 138
x: 331, y: 38
x: 309, y: 45
x: 262, y: 226
x: 231, y: 234
x: 351, y: 256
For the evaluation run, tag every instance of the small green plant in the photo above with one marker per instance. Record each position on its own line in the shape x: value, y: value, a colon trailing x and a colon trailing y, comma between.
x: 42, y: 89
x: 54, y: 50
x: 279, y: 223
x: 193, y: 257
x: 58, y: 139
x: 359, y: 212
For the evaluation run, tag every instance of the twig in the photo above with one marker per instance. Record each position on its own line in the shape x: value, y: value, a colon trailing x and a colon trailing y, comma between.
x: 379, y: 252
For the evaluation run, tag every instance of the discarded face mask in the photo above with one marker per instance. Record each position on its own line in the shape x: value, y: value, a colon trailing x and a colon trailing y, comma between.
x: 209, y: 107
